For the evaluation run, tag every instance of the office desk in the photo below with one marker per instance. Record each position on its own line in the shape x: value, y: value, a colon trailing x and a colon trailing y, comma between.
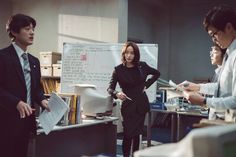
x: 185, y: 121
x: 173, y: 124
x: 179, y: 122
x: 92, y: 137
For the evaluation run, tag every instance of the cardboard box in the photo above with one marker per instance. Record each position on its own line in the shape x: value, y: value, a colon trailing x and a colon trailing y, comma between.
x: 56, y: 69
x: 49, y: 58
x: 46, y: 70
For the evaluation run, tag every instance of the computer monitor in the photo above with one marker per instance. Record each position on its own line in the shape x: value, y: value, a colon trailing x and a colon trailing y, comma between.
x: 215, y: 141
x: 92, y: 102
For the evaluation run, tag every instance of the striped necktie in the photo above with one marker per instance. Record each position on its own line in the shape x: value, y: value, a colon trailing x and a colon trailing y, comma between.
x: 26, y: 70
x: 222, y: 68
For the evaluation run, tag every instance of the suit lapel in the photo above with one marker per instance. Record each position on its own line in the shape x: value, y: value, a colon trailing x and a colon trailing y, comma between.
x: 17, y: 65
x: 32, y: 70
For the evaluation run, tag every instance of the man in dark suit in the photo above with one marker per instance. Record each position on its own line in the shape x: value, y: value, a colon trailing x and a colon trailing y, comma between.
x: 20, y: 88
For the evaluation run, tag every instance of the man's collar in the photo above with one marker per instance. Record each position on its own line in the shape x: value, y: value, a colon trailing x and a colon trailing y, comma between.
x: 231, y: 47
x: 19, y: 51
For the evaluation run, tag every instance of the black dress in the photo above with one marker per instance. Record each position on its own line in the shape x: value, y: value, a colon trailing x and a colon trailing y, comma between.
x: 132, y: 82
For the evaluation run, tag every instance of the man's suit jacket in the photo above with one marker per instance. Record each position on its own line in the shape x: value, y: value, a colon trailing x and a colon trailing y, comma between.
x: 13, y: 87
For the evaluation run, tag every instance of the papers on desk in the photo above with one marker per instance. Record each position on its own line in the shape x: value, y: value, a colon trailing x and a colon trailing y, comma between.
x: 49, y: 119
x: 174, y: 85
x: 173, y: 90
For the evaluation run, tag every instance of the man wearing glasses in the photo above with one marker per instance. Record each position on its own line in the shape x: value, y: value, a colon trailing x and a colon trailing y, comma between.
x: 220, y: 23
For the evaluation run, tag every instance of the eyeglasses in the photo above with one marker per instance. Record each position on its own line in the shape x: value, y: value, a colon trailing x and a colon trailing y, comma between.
x: 213, y: 34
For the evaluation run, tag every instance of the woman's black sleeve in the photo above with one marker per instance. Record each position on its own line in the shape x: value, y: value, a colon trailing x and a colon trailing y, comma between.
x: 112, y: 85
x: 155, y: 75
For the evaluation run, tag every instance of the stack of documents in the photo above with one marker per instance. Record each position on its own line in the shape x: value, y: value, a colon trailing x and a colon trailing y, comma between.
x: 173, y: 90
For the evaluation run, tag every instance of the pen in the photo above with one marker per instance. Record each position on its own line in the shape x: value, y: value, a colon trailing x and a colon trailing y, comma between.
x: 128, y: 98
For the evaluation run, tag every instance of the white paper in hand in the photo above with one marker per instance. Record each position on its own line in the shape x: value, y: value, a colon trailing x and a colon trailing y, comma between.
x: 172, y: 84
x: 49, y: 119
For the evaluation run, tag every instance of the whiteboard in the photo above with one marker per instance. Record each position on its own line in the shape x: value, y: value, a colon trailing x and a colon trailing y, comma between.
x: 93, y: 63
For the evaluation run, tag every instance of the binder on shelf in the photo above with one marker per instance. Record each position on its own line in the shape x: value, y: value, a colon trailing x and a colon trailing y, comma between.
x: 73, y: 115
x: 50, y: 84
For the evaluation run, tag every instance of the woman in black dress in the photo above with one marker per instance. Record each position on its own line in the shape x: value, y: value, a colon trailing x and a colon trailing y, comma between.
x: 132, y: 78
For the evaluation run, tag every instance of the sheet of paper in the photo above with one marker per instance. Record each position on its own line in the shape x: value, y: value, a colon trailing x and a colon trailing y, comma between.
x: 163, y: 82
x: 173, y: 90
x: 172, y: 84
x: 172, y: 93
x: 49, y: 119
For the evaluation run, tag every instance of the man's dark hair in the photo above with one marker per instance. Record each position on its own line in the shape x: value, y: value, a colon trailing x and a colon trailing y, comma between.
x: 219, y: 16
x: 18, y: 21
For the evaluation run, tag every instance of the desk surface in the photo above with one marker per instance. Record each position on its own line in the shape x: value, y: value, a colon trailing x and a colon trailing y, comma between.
x: 180, y: 112
x: 176, y: 122
x: 89, y: 138
x: 192, y: 113
x: 163, y: 111
x: 85, y: 122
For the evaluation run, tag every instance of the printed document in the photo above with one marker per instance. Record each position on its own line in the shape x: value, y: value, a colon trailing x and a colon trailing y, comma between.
x: 58, y: 107
x: 173, y: 90
x: 174, y: 85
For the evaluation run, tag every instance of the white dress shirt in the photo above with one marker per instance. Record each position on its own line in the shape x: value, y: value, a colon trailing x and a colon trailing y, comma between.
x: 227, y: 78
x: 211, y: 89
x: 19, y: 52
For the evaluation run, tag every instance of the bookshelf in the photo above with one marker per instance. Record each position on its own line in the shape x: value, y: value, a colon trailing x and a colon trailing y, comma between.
x: 50, y: 84
x: 73, y: 115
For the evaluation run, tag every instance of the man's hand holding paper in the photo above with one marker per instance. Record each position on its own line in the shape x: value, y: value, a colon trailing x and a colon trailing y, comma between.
x: 189, y: 86
x: 57, y: 109
x: 194, y: 97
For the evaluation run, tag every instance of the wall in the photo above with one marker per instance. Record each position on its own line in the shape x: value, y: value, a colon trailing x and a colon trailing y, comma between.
x: 123, y: 21
x: 88, y: 21
x: 45, y: 13
x: 190, y: 44
x: 61, y: 21
x: 140, y: 22
x: 176, y: 26
x: 5, y: 12
x: 149, y: 23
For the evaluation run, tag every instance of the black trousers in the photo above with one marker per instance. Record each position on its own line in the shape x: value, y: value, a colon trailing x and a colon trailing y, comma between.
x: 14, y: 138
x: 128, y: 142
